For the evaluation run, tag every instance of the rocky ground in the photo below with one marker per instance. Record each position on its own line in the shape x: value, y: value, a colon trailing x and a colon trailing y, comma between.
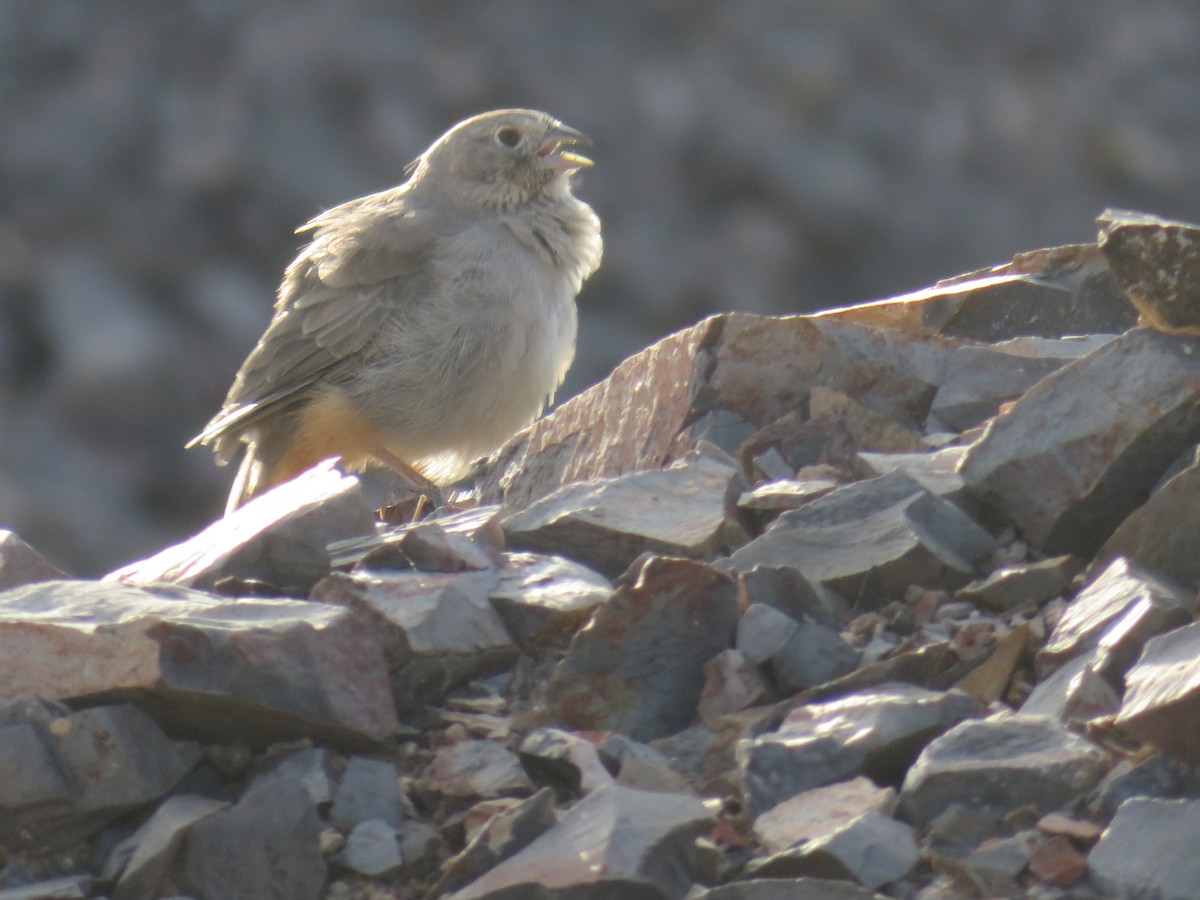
x: 895, y: 600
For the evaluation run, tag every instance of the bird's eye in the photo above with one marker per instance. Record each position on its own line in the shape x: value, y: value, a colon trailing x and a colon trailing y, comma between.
x: 508, y: 136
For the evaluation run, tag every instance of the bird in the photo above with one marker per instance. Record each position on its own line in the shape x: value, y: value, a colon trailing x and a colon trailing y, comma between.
x: 422, y: 326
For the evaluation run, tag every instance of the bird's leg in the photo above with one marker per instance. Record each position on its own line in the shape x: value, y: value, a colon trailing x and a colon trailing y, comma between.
x: 415, y: 481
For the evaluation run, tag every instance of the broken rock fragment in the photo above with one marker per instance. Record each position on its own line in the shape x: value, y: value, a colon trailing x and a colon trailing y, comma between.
x: 1149, y: 850
x: 796, y: 654
x: 1157, y: 264
x: 21, y: 564
x: 540, y: 598
x: 1162, y: 694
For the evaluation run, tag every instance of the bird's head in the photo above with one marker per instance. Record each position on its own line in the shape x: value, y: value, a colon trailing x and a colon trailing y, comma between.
x: 504, y: 158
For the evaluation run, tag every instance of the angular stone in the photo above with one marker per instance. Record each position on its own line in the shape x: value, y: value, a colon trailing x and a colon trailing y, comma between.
x: 614, y: 842
x: 1075, y: 692
x: 1056, y: 861
x: 1157, y: 264
x: 1001, y: 763
x: 1084, y: 447
x: 64, y: 778
x: 820, y: 811
x: 796, y: 654
x: 731, y: 683
x: 787, y: 590
x: 505, y: 834
x: 266, y: 845
x: 68, y: 887
x: 872, y: 849
x: 372, y: 849
x: 640, y: 766
x: 438, y: 630
x: 871, y: 540
x: 309, y: 765
x: 1162, y: 694
x: 369, y: 790
x: 637, y: 667
x: 877, y: 733
x: 1160, y: 535
x: 792, y: 493
x: 21, y: 564
x: 216, y: 669
x: 540, y: 598
x: 1051, y: 293
x: 278, y: 539
x: 1020, y: 586
x: 934, y: 470
x: 564, y: 761
x: 146, y: 857
x: 1149, y: 850
x: 990, y: 869
x: 1162, y: 776
x: 469, y: 540
x: 477, y: 769
x: 787, y: 889
x: 1120, y: 610
x: 683, y: 510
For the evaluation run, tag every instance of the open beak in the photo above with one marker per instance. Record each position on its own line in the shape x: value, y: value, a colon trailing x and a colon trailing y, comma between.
x: 550, y: 151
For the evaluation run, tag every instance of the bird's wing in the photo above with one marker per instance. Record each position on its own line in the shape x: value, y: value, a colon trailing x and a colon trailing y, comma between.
x: 365, y: 260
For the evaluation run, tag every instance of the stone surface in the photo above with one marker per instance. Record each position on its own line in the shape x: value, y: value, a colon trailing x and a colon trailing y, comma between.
x: 368, y: 791
x: 1001, y: 763
x: 446, y: 541
x: 68, y: 887
x: 934, y: 470
x: 795, y: 654
x: 639, y: 766
x: 21, y: 564
x: 637, y: 667
x: 477, y: 769
x: 563, y: 760
x: 279, y: 539
x: 65, y: 776
x: 540, y: 598
x: 372, y: 849
x: 683, y: 510
x: 1075, y: 692
x: 257, y: 670
x: 1162, y: 694
x: 1156, y: 262
x: 1162, y: 776
x: 870, y: 540
x: 309, y: 765
x: 787, y: 889
x: 820, y: 811
x: 144, y: 860
x: 1084, y: 447
x: 731, y: 683
x: 876, y: 733
x: 1018, y: 586
x: 614, y: 842
x: 1056, y: 861
x: 1148, y: 850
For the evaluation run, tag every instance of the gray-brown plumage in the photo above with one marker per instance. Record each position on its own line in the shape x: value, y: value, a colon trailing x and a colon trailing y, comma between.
x: 425, y: 324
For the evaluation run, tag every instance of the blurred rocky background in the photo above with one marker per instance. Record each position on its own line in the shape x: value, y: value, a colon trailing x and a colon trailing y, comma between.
x: 764, y: 156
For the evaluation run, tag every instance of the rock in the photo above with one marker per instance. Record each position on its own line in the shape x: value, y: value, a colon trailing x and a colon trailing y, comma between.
x: 68, y: 887
x: 21, y: 564
x: 1162, y: 776
x: 1084, y: 447
x: 564, y: 761
x: 1075, y: 692
x: 683, y: 510
x: 308, y: 765
x: 369, y: 791
x: 990, y: 869
x: 1156, y: 262
x: 876, y: 733
x: 1056, y: 861
x: 505, y: 834
x: 1148, y: 850
x: 731, y: 683
x: 820, y: 811
x: 144, y: 859
x: 1000, y: 763
x: 469, y: 540
x: 787, y: 889
x: 989, y: 680
x: 872, y: 850
x: 790, y: 493
x: 614, y: 841
x: 637, y: 667
x: 279, y: 539
x: 266, y: 845
x: 66, y: 776
x: 934, y: 470
x: 1021, y: 586
x: 1119, y: 610
x: 1159, y: 535
x: 1162, y: 694
x: 870, y: 540
x: 254, y: 670
x: 1048, y: 293
x: 477, y: 769
x: 796, y: 654
x: 540, y: 598
x: 638, y: 766
x: 372, y: 849
x: 438, y: 630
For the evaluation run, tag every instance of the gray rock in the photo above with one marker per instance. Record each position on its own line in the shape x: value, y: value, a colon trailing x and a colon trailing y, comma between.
x: 639, y: 766
x: 372, y: 849
x: 1001, y: 763
x: 936, y: 470
x: 615, y: 842
x: 1162, y: 776
x: 789, y: 493
x: 1022, y: 586
x: 877, y: 733
x: 1157, y: 264
x: 1065, y: 468
x: 731, y: 683
x: 540, y: 598
x: 280, y: 540
x: 252, y: 670
x: 369, y: 790
x: 1075, y: 692
x: 787, y: 889
x: 145, y: 858
x: 309, y: 765
x: 266, y: 845
x: 870, y: 540
x: 65, y: 778
x: 1162, y: 694
x: 1148, y: 850
x: 477, y: 769
x: 683, y: 510
x: 820, y: 811
x: 797, y: 654
x: 21, y: 564
x: 68, y: 887
x: 564, y: 761
x: 637, y: 668
x: 470, y: 540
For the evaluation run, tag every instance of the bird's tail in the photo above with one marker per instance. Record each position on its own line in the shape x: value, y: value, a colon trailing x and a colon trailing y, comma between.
x: 248, y: 481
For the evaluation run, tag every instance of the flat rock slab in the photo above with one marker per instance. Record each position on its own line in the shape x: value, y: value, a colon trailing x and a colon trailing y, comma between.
x: 821, y: 811
x: 65, y: 775
x: 68, y: 887
x: 478, y: 769
x: 999, y: 764
x: 144, y: 859
x: 877, y: 733
x: 279, y: 539
x: 540, y: 597
x: 1022, y: 586
x: 1084, y: 447
x: 1162, y: 694
x: 797, y: 654
x: 212, y: 668
x: 870, y: 540
x: 637, y: 667
x: 614, y: 842
x: 1149, y: 850
x: 1157, y: 264
x: 788, y: 889
x: 683, y: 510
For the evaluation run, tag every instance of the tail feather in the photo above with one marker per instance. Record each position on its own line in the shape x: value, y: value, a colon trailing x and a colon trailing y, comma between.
x: 248, y: 480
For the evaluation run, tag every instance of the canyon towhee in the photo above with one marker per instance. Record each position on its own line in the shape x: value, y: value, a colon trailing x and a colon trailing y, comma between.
x: 424, y: 325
